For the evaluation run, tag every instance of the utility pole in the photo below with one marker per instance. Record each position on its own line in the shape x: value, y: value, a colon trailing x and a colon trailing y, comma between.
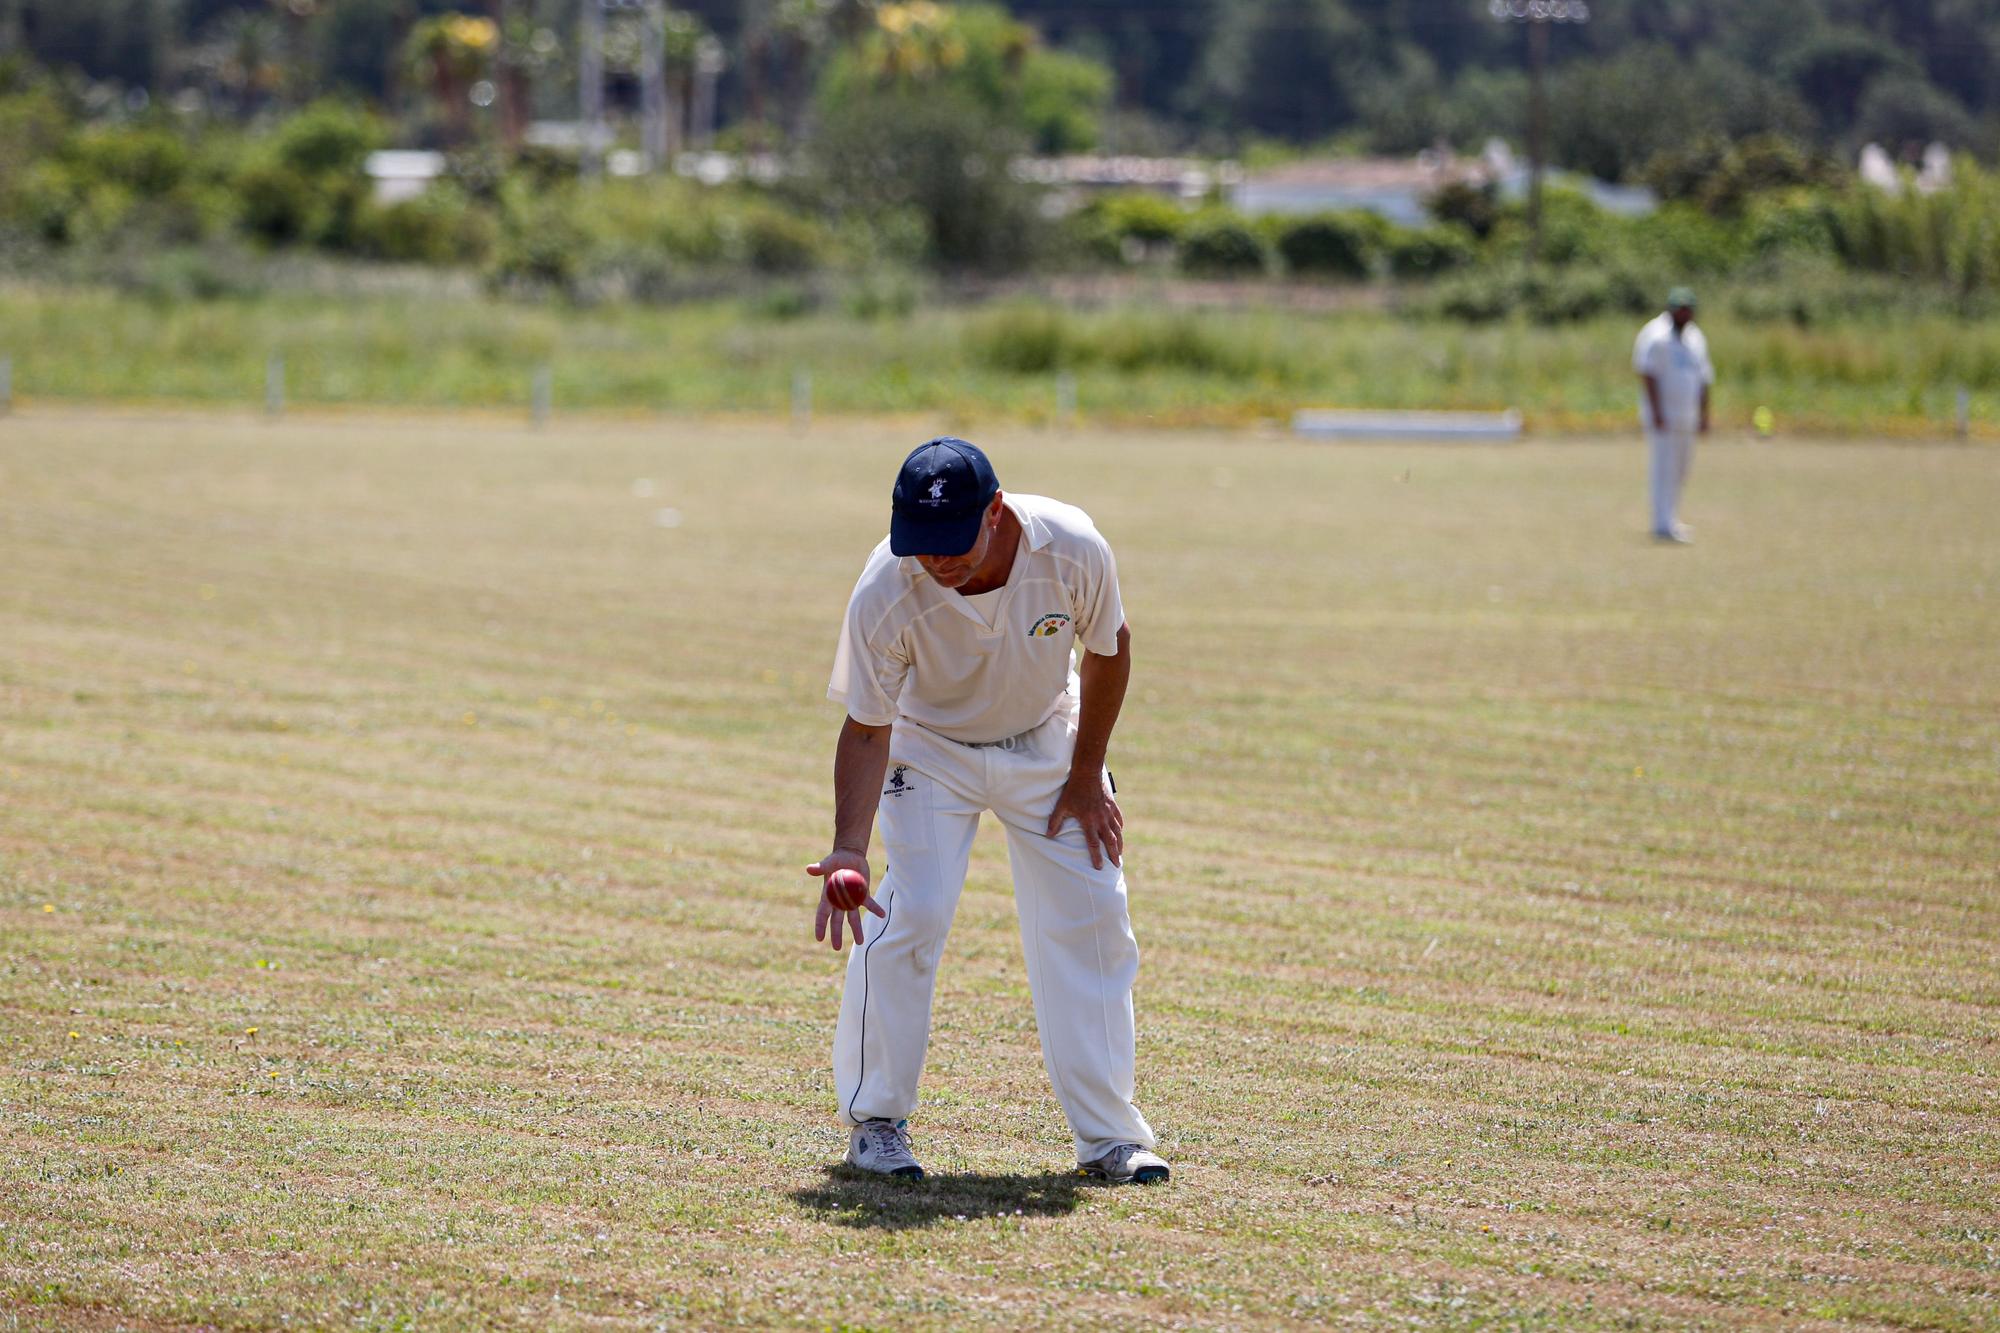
x: 653, y: 84
x: 590, y: 86
x: 1538, y: 15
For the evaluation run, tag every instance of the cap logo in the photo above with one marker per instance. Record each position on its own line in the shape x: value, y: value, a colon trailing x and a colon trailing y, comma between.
x: 937, y: 491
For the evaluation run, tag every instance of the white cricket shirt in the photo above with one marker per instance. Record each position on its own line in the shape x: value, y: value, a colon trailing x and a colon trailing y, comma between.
x: 910, y: 649
x: 1681, y: 366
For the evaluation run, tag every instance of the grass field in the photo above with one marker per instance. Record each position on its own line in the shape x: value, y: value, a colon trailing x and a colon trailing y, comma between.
x: 402, y: 922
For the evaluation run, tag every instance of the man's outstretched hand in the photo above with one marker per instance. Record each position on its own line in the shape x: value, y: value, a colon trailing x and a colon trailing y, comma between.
x: 1087, y: 799
x: 822, y: 869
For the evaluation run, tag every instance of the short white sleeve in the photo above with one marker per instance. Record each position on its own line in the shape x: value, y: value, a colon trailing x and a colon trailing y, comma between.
x: 867, y: 677
x: 1099, y: 611
x: 1649, y: 352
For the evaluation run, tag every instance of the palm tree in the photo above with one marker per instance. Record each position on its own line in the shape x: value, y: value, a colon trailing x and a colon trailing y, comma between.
x: 449, y: 53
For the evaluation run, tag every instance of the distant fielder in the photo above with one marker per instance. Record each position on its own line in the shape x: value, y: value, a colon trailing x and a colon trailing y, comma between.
x: 1671, y: 357
x: 955, y: 668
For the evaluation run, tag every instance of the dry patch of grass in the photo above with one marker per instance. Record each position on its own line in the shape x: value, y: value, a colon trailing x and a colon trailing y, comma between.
x: 401, y: 925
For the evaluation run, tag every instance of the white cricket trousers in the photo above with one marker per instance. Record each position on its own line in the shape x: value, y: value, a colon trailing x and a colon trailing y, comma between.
x: 1081, y: 956
x: 1671, y: 450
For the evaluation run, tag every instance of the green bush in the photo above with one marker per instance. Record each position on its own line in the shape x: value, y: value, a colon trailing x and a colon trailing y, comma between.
x: 1724, y: 177
x: 1022, y: 340
x: 62, y: 207
x: 1480, y: 297
x: 328, y: 138
x: 542, y: 246
x: 190, y: 214
x: 1128, y: 227
x: 32, y: 125
x: 1796, y: 222
x: 1565, y: 296
x: 778, y: 242
x: 145, y: 160
x: 686, y: 223
x: 306, y: 184
x: 106, y: 180
x: 441, y: 226
x: 46, y: 201
x: 1342, y: 245
x: 1574, y: 230
x: 280, y: 206
x: 1426, y: 252
x: 1182, y: 342
x: 1542, y: 295
x: 1473, y: 207
x: 1222, y: 247
x: 1681, y: 238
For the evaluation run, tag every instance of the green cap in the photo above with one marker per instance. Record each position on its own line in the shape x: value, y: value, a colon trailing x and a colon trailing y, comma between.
x: 1680, y: 296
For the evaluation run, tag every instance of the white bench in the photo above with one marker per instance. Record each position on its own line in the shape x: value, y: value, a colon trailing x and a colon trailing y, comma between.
x: 1338, y: 424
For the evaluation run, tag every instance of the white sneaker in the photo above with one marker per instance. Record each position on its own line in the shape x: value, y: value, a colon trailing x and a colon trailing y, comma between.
x: 1127, y: 1164
x: 1680, y: 534
x: 883, y: 1146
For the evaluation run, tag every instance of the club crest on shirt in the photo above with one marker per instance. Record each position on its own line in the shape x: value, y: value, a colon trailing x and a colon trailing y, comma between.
x: 1049, y: 625
x: 898, y: 784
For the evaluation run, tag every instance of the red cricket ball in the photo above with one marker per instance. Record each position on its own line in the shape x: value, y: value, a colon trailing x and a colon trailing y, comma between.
x: 846, y: 889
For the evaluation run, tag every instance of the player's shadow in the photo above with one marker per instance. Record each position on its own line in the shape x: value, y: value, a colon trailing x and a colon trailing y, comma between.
x: 852, y: 1198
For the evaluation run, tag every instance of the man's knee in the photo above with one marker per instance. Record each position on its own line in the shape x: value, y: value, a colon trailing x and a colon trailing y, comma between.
x: 1095, y: 922
x: 919, y: 918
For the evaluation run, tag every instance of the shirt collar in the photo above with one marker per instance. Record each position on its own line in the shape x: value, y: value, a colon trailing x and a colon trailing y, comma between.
x: 1038, y: 533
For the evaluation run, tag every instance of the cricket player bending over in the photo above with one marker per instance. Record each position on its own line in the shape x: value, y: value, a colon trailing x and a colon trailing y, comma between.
x: 955, y: 668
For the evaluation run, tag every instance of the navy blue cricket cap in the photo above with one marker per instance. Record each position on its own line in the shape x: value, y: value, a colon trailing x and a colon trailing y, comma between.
x: 944, y: 487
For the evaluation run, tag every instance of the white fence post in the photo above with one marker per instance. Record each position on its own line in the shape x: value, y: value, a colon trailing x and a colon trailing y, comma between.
x: 1964, y: 412
x: 274, y: 385
x: 802, y: 399
x: 1065, y: 398
x: 543, y: 395
x: 6, y: 385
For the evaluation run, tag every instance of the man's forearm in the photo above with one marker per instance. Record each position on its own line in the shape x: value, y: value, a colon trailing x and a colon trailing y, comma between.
x: 1653, y: 399
x: 1103, y: 681
x: 859, y: 759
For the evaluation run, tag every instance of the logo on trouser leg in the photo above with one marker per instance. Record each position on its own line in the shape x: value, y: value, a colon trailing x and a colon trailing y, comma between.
x: 898, y: 784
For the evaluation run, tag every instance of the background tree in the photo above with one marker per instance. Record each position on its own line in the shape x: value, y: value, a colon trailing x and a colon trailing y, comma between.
x: 1831, y: 69
x: 1395, y: 75
x: 446, y: 56
x: 1051, y: 100
x: 935, y: 156
x: 1282, y: 67
x: 1903, y: 112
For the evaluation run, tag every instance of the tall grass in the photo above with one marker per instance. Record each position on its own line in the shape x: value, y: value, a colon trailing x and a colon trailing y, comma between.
x: 1136, y: 363
x: 1950, y: 237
